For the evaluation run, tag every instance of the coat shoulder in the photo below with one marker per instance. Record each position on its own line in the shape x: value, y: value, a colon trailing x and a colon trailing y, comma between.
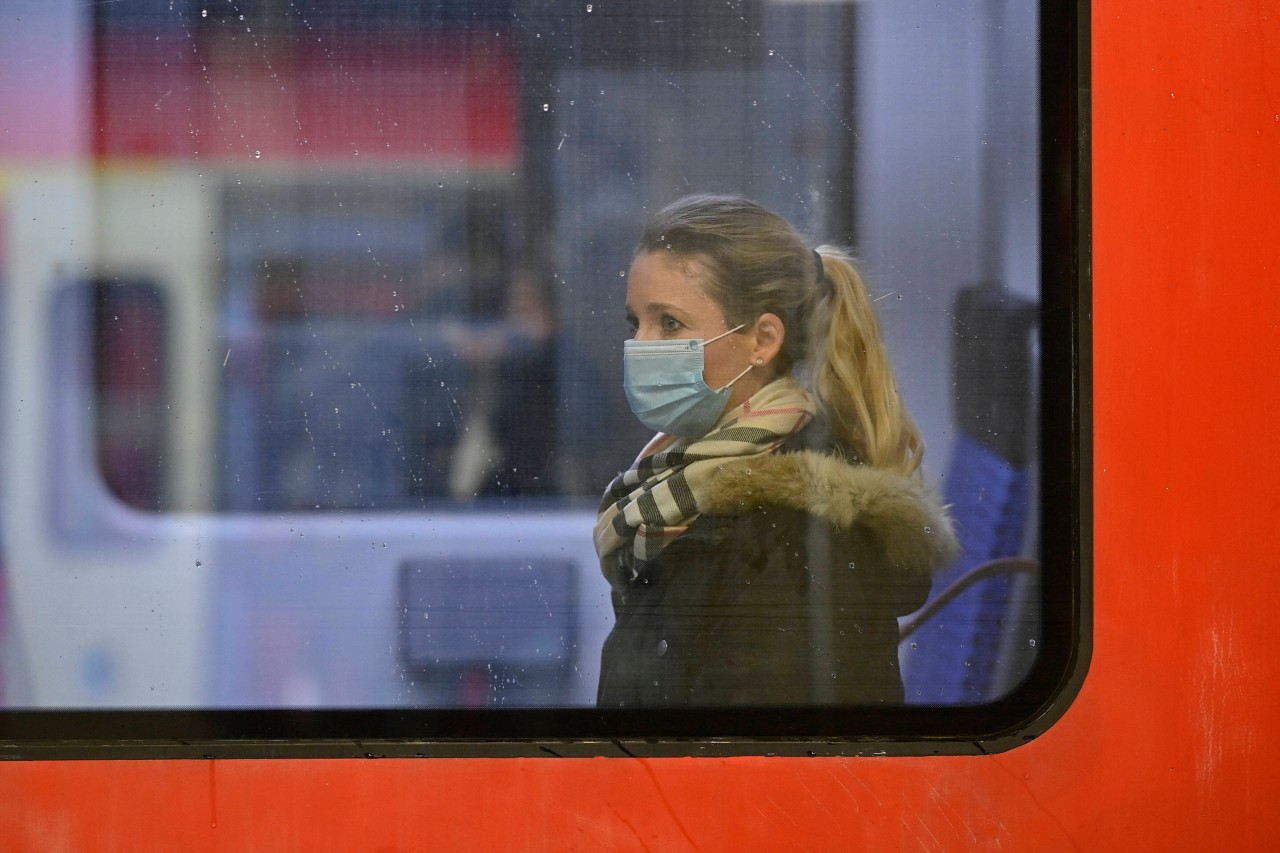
x: 901, y: 514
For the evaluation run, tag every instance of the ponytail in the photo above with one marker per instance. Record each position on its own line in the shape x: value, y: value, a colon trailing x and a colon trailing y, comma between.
x: 851, y: 373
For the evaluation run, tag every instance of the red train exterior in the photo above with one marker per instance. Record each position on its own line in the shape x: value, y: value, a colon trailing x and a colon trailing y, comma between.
x: 1174, y: 740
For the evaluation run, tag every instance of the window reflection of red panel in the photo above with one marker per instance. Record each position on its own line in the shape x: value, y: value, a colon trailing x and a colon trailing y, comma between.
x: 407, y: 97
x: 147, y: 96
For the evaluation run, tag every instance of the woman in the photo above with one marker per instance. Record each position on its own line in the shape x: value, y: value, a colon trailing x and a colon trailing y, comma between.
x: 764, y: 542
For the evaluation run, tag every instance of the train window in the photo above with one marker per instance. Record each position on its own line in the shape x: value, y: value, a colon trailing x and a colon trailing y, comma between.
x: 129, y: 390
x: 337, y: 335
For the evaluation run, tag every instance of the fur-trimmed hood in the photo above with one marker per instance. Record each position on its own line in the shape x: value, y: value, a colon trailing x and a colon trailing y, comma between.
x: 903, y: 516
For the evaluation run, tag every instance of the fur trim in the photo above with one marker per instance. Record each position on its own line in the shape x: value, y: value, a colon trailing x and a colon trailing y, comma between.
x: 907, y: 520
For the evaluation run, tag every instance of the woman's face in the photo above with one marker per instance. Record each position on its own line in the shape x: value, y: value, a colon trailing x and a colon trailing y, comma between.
x: 665, y: 301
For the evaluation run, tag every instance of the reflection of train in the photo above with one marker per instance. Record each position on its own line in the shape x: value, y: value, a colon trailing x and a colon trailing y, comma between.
x: 1171, y: 742
x: 281, y: 433
x: 279, y: 429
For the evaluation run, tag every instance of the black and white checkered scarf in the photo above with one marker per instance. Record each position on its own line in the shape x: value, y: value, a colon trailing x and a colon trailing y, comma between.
x: 656, y: 499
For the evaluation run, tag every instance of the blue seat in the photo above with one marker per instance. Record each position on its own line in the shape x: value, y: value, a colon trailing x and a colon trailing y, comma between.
x: 975, y: 637
x: 955, y: 649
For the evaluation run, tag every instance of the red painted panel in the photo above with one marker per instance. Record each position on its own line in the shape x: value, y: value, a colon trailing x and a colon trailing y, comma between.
x: 1174, y: 741
x: 408, y: 98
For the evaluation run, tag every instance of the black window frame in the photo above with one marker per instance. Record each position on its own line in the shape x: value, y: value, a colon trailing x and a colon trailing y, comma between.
x: 1065, y: 536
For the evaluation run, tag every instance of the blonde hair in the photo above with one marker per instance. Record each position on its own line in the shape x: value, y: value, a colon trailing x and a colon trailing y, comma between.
x: 754, y: 262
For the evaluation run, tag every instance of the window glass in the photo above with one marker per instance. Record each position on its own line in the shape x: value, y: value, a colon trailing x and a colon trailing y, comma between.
x: 312, y: 374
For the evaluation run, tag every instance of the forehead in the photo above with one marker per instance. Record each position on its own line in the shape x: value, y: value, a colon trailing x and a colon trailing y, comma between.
x: 661, y: 277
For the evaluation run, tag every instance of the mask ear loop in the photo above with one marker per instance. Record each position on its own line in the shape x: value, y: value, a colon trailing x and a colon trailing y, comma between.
x: 739, y: 327
x: 736, y: 378
x: 725, y: 335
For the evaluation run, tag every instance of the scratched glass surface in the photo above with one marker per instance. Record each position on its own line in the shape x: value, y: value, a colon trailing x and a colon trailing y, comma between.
x: 312, y: 309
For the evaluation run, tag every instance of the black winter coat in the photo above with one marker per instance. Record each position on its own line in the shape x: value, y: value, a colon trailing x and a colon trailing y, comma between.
x: 785, y: 590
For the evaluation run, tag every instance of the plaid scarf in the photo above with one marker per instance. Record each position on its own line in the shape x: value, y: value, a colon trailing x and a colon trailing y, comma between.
x: 656, y: 499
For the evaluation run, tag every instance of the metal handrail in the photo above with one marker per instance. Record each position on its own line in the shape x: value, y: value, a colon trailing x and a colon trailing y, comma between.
x: 999, y: 566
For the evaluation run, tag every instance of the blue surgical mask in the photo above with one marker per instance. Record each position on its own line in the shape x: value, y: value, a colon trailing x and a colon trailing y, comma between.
x: 664, y: 385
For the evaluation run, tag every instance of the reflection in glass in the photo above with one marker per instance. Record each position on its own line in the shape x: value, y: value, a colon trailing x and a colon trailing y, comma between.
x: 312, y: 328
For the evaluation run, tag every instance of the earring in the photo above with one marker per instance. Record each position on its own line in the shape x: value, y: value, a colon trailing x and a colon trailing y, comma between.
x: 759, y: 362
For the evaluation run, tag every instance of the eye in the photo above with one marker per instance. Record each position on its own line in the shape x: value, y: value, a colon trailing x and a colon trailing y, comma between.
x: 633, y: 324
x: 671, y: 324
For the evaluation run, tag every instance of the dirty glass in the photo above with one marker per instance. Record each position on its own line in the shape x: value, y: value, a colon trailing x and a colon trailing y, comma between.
x: 311, y: 378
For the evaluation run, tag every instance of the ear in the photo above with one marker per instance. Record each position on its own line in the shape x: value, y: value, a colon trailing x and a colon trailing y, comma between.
x: 769, y: 334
